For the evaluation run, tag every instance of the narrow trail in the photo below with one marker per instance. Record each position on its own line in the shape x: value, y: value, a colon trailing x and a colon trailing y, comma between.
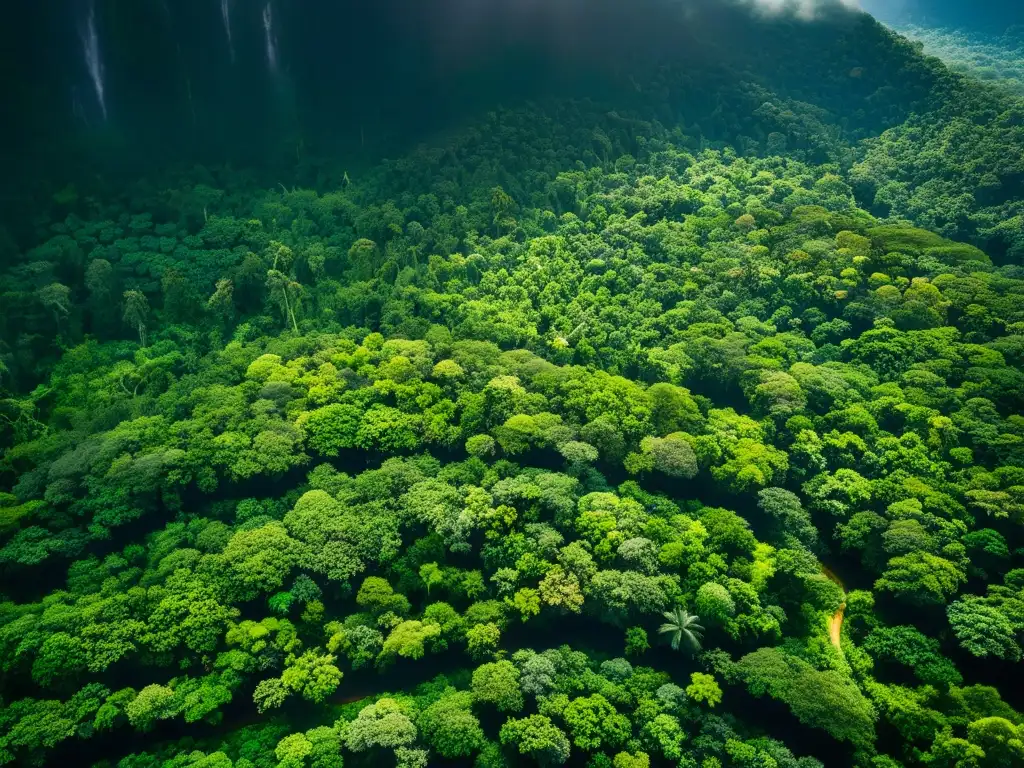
x: 835, y: 624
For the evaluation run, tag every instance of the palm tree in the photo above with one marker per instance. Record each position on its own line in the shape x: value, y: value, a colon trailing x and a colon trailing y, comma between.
x: 684, y: 629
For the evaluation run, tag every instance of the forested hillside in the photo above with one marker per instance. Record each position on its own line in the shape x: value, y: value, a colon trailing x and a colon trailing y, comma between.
x: 680, y: 426
x: 993, y: 58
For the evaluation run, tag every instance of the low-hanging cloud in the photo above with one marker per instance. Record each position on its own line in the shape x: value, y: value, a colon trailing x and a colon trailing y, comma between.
x: 460, y: 34
x: 802, y: 8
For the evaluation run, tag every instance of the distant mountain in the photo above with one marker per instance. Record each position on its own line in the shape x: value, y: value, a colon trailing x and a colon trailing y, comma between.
x: 989, y: 15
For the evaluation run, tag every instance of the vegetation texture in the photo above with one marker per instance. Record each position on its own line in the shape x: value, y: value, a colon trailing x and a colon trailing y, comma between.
x: 986, y: 57
x: 532, y: 445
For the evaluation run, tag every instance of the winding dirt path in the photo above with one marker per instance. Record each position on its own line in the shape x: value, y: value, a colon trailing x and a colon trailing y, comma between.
x: 835, y: 624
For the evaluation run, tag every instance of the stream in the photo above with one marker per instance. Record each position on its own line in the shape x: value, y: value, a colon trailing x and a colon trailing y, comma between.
x: 835, y: 624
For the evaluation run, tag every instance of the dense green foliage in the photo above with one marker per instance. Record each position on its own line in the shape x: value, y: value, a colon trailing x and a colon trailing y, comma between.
x: 986, y: 57
x: 561, y: 415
